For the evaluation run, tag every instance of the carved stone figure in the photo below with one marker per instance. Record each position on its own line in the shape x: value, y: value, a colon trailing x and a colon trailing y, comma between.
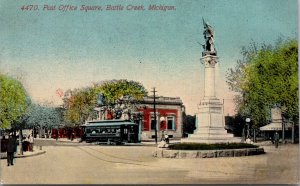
x: 209, y: 47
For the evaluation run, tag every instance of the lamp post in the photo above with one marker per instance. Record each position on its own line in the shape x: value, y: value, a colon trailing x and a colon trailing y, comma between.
x: 247, y: 124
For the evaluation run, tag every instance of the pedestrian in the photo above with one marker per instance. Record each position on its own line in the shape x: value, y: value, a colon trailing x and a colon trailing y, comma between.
x: 167, y: 138
x: 30, y: 140
x: 162, y: 136
x: 26, y: 143
x: 11, y: 149
x: 276, y: 139
x: 56, y: 134
x: 72, y: 135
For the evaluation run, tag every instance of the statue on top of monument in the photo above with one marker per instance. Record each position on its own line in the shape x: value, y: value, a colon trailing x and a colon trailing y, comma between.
x: 209, y: 47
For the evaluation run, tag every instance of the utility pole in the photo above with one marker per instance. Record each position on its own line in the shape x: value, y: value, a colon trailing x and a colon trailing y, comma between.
x: 154, y: 107
x: 293, y: 132
x: 283, y: 130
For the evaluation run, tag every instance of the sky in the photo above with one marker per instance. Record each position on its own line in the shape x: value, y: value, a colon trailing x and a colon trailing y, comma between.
x: 52, y: 49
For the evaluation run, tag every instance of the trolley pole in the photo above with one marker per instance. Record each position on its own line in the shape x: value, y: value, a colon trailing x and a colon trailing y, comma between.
x: 154, y: 107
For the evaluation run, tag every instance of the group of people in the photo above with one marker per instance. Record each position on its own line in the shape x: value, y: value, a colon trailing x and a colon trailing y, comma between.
x: 11, y: 147
x: 66, y: 133
x: 28, y: 141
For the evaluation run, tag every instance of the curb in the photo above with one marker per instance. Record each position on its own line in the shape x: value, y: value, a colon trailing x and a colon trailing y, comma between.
x: 24, y: 156
x: 66, y: 141
x: 166, y: 153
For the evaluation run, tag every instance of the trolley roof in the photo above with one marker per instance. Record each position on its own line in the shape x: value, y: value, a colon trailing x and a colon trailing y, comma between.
x: 108, y: 123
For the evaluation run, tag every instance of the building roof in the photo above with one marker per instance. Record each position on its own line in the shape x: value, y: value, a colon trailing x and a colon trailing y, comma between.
x: 114, y: 122
x: 275, y: 126
x: 160, y: 100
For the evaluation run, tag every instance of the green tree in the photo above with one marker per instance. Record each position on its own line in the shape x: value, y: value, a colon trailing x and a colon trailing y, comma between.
x: 115, y: 89
x: 80, y: 103
x: 13, y: 101
x: 236, y: 124
x: 189, y: 124
x: 39, y: 116
x: 267, y: 76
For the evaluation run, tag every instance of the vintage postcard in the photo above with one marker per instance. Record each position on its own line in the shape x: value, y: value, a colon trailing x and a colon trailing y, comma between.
x: 149, y: 92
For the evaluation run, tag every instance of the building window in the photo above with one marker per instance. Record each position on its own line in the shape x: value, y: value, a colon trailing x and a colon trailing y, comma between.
x: 152, y: 123
x: 171, y: 122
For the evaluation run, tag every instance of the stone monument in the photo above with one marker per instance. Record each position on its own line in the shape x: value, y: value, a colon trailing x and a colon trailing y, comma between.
x: 210, y: 120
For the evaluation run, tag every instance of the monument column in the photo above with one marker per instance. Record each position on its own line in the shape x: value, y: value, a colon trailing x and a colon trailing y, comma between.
x: 209, y: 83
x: 210, y: 119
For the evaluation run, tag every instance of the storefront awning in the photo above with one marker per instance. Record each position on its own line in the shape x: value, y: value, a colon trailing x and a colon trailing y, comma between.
x: 274, y: 127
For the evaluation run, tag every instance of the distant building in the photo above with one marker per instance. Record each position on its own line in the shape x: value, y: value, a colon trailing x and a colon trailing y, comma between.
x: 169, y: 112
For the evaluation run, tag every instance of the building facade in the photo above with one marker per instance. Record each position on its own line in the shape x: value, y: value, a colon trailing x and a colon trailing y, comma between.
x: 169, y: 116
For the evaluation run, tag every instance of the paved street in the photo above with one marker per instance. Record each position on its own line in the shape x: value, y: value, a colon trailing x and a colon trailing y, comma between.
x: 134, y: 165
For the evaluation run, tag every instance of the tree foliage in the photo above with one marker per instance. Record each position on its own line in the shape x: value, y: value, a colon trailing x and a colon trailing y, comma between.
x: 236, y: 124
x: 189, y: 124
x: 267, y: 76
x: 80, y: 103
x: 13, y: 101
x: 116, y: 89
x: 39, y: 116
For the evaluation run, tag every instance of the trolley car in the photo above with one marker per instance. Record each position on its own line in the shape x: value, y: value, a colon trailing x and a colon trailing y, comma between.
x: 111, y: 131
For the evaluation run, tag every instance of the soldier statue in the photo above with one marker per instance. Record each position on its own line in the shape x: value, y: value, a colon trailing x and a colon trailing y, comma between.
x: 209, y: 47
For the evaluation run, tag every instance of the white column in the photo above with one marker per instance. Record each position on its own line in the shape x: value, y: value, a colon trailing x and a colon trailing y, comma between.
x: 209, y: 83
x: 209, y: 77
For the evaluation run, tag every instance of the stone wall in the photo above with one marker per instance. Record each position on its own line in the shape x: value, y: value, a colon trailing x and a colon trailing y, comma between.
x: 165, y: 153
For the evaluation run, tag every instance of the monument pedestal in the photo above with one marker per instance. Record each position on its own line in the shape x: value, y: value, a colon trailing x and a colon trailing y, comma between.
x: 210, y: 121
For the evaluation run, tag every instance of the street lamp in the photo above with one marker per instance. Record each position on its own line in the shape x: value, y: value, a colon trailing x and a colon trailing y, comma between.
x: 248, y: 123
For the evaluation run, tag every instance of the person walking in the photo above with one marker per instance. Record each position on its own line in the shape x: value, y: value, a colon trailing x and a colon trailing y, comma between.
x: 167, y: 138
x: 11, y: 149
x: 162, y: 136
x: 72, y: 136
x: 30, y: 140
x: 276, y: 139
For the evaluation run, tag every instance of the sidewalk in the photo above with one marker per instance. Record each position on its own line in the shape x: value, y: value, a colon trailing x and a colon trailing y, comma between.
x: 25, y: 154
x: 59, y: 140
x: 66, y: 140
